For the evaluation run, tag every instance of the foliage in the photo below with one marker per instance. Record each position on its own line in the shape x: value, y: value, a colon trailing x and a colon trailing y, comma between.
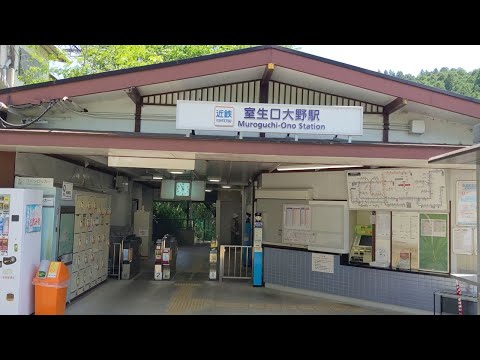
x: 94, y: 59
x: 170, y: 216
x: 455, y: 80
x: 36, y: 67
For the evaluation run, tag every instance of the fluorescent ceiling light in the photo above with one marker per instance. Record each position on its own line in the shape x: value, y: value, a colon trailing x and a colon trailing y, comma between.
x: 226, y: 186
x: 214, y: 179
x: 314, y: 167
x: 178, y: 172
x: 155, y: 177
x: 208, y: 190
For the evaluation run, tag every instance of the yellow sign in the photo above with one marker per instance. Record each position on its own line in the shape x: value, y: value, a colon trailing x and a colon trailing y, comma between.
x: 53, y: 269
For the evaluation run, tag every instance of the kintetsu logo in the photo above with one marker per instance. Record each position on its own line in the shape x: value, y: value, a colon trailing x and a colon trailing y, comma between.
x: 224, y: 116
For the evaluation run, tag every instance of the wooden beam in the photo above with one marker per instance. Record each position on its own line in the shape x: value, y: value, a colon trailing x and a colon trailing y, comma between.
x: 395, y: 105
x: 267, y: 74
x: 138, y: 116
x: 386, y: 127
x: 134, y: 94
x: 7, y: 175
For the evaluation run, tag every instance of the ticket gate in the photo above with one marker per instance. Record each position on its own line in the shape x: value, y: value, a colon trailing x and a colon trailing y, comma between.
x: 165, y: 258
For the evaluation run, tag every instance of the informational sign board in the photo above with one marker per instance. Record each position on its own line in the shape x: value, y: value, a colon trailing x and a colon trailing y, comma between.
x: 270, y: 118
x: 433, y: 249
x: 67, y: 190
x: 462, y: 239
x: 466, y: 199
x: 405, y: 235
x: 397, y: 189
x: 33, y: 182
x: 323, y: 263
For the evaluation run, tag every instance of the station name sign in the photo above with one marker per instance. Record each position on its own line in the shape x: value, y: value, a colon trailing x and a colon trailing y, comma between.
x: 270, y: 118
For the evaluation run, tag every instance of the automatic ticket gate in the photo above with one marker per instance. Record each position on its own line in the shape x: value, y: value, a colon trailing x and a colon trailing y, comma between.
x: 165, y: 258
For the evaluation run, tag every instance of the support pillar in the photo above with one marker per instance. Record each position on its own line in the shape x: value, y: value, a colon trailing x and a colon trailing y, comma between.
x: 478, y: 238
x: 7, y: 169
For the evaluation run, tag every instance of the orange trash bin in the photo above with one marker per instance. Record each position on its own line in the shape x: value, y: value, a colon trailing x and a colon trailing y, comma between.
x: 51, y: 289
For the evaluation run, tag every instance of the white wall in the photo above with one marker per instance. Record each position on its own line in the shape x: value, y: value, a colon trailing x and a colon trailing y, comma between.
x: 272, y: 217
x: 437, y: 131
x: 108, y: 115
x: 327, y: 185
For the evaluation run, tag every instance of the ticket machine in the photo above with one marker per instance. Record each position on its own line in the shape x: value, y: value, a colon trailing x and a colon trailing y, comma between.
x: 361, y: 251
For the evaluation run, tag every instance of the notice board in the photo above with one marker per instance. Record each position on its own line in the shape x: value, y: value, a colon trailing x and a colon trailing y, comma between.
x: 326, y: 228
x: 397, y: 189
x: 433, y: 249
x: 466, y: 201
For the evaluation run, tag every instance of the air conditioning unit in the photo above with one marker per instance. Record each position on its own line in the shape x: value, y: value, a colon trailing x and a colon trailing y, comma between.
x: 121, y: 183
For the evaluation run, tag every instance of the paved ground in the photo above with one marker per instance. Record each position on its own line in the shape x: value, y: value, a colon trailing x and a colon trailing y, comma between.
x: 190, y: 292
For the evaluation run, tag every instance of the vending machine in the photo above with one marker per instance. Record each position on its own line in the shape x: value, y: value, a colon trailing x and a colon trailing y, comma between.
x: 20, y: 242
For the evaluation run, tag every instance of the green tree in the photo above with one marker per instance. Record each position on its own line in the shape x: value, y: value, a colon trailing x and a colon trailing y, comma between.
x: 36, y: 67
x: 93, y: 59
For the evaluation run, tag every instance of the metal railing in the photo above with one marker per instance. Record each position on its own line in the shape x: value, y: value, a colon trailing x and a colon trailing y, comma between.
x: 235, y: 262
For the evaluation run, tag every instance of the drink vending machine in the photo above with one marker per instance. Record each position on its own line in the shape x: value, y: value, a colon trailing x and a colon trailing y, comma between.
x: 20, y: 240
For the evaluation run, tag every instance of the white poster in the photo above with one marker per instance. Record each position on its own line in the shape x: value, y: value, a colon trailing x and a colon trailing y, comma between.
x: 383, y: 226
x: 463, y: 240
x: 67, y: 190
x: 269, y: 118
x: 323, y: 263
x: 405, y: 237
x: 466, y: 213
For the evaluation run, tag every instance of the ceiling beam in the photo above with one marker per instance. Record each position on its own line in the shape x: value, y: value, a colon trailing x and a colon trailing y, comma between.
x: 395, y: 105
x: 134, y: 94
x: 267, y: 74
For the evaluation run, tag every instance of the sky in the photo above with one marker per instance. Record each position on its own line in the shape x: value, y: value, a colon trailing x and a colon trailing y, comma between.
x: 409, y: 59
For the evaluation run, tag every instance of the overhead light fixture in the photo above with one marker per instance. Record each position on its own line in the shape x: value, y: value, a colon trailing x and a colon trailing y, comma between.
x: 208, y: 190
x: 314, y: 167
x: 157, y: 177
x: 226, y: 186
x: 212, y: 179
x: 177, y: 172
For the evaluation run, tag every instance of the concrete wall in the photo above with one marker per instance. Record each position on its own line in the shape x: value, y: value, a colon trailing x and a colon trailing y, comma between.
x: 293, y: 269
x: 38, y: 165
x: 437, y: 131
x: 330, y: 185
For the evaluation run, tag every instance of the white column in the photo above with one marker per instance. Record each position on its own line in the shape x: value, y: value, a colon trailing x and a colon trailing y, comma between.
x: 478, y: 237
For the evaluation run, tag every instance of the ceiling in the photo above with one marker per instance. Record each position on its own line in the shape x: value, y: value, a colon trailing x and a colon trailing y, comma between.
x: 235, y: 173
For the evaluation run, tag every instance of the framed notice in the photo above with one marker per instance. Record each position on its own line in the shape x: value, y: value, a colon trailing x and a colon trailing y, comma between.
x: 433, y: 249
x: 466, y: 199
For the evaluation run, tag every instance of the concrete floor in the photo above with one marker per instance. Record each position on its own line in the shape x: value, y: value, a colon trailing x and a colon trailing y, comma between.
x: 190, y: 292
